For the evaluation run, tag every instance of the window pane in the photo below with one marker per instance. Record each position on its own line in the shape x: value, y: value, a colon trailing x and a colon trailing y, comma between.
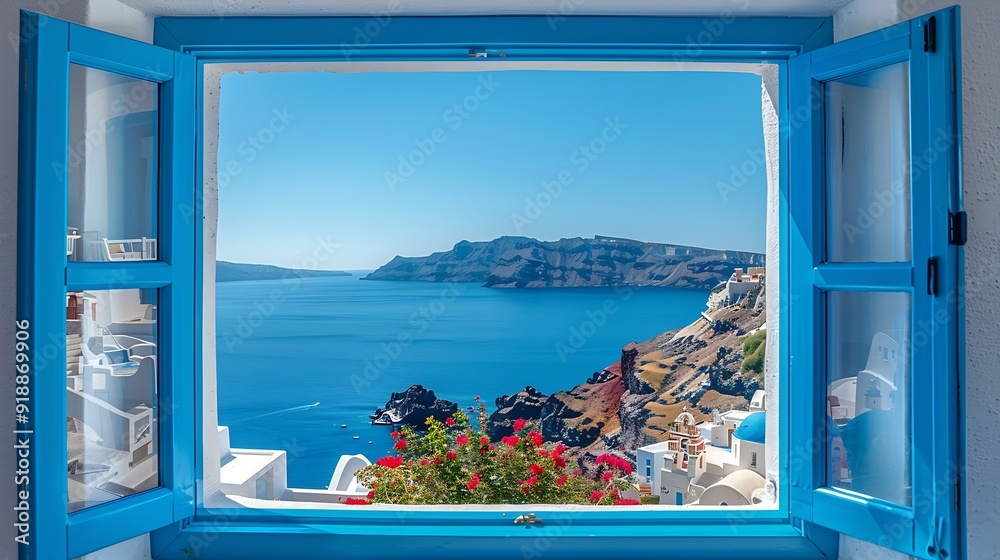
x: 868, y: 372
x: 112, y: 173
x: 110, y: 395
x: 868, y: 166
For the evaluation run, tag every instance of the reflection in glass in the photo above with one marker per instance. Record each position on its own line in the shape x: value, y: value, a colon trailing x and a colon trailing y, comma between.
x: 112, y: 167
x: 868, y: 166
x: 868, y: 394
x: 110, y: 395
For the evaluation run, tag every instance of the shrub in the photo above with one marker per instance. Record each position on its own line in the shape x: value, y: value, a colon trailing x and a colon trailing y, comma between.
x: 452, y: 463
x: 753, y: 353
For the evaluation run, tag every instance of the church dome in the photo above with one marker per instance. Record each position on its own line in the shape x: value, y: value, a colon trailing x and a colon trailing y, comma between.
x: 752, y: 429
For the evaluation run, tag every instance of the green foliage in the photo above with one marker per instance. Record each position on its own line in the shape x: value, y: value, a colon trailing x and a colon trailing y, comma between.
x: 455, y: 464
x: 753, y: 353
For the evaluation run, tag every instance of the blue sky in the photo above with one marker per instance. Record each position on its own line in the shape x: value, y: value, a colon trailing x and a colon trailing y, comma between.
x: 387, y: 164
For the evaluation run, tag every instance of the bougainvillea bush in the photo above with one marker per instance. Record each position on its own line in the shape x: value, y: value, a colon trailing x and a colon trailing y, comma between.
x: 452, y: 463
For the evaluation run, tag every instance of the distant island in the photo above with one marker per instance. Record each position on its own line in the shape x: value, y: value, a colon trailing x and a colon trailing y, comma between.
x: 524, y: 262
x: 236, y: 272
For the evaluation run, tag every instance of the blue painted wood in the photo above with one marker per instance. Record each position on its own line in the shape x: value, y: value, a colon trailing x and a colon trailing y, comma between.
x: 95, y: 528
x: 520, y: 37
x: 931, y: 527
x: 41, y: 258
x: 44, y: 277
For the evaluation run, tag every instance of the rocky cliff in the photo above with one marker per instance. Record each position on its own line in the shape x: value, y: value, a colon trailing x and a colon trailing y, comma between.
x: 633, y: 401
x: 235, y: 272
x: 416, y: 404
x: 523, y: 262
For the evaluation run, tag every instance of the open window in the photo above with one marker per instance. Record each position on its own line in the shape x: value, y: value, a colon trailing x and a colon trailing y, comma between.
x: 112, y: 266
x: 106, y: 285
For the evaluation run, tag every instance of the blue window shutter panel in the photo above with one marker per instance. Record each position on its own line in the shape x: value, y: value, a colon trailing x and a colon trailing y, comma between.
x: 45, y: 276
x: 923, y: 520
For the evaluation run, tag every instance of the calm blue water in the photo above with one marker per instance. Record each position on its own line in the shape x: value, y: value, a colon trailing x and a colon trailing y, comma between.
x: 284, y: 346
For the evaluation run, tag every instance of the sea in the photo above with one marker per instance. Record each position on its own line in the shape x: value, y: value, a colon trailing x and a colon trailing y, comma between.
x: 298, y: 359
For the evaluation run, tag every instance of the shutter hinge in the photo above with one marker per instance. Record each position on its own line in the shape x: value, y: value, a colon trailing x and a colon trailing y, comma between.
x: 958, y: 228
x: 932, y: 276
x: 930, y: 35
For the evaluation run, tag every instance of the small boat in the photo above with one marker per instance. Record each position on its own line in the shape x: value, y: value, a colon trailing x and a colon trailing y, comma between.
x: 369, y: 442
x: 357, y: 437
x: 343, y: 425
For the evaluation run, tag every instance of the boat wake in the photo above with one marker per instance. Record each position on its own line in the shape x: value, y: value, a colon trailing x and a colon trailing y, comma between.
x: 277, y: 412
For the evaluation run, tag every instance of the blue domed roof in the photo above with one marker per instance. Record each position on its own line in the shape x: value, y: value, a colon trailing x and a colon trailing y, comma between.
x: 753, y: 428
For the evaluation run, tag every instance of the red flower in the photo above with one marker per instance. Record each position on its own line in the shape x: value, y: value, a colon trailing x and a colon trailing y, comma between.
x: 356, y: 502
x: 626, y: 502
x: 627, y: 468
x: 531, y: 481
x: 561, y: 480
x: 462, y: 439
x: 484, y: 441
x: 559, y: 461
x: 608, y: 476
x: 601, y: 458
x: 535, y: 438
x: 510, y: 441
x: 596, y: 496
x: 559, y: 449
x: 391, y: 462
x: 400, y: 444
x: 577, y: 472
x: 451, y: 455
x: 536, y: 468
x: 437, y: 460
x: 519, y: 424
x: 492, y: 447
x: 449, y: 421
x: 543, y: 453
x: 473, y: 482
x: 371, y: 494
x: 394, y: 434
x: 482, y: 452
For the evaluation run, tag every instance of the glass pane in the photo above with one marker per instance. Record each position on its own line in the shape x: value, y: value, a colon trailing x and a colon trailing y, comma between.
x: 868, y: 166
x: 110, y: 395
x: 868, y: 395
x: 112, y: 173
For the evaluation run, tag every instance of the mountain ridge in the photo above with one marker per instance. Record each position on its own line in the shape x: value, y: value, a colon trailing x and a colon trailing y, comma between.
x: 524, y: 262
x: 226, y: 271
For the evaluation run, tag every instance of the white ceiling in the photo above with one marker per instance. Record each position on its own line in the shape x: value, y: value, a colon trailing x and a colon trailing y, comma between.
x: 485, y: 7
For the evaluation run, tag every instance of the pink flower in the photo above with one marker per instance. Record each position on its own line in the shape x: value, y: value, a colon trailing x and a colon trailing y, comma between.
x: 536, y: 468
x: 462, y: 439
x: 543, y: 453
x: 391, y: 462
x: 473, y: 482
x: 559, y: 461
x: 400, y: 444
x: 519, y: 424
x: 510, y: 441
x: 596, y: 496
x: 493, y: 447
x: 535, y: 437
x: 626, y: 502
x: 531, y: 481
x: 437, y: 461
x: 608, y: 476
x: 451, y: 455
x: 561, y: 480
x: 449, y: 421
x: 559, y: 449
x: 394, y: 434
x: 484, y: 441
x: 356, y: 502
x: 627, y: 468
x: 424, y: 462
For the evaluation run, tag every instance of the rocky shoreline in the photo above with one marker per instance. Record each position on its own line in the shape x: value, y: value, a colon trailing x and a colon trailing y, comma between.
x: 631, y: 402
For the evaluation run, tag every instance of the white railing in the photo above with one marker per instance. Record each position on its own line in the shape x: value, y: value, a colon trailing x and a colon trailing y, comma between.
x: 140, y: 249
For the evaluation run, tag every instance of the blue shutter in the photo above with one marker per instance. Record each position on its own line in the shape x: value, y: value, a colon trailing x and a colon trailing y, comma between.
x: 881, y: 251
x: 50, y: 48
